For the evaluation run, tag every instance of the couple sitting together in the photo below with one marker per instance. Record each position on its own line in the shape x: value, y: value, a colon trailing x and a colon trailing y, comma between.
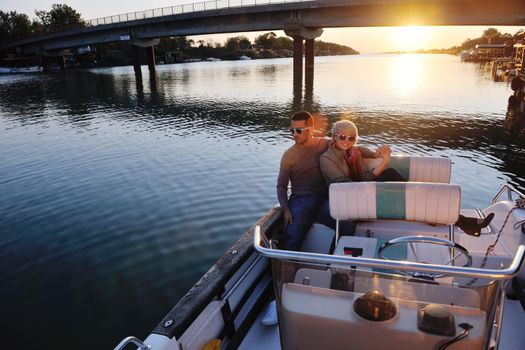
x: 313, y: 163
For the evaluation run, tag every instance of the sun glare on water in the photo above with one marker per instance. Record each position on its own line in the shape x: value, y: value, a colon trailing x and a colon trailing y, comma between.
x: 406, y: 74
x: 409, y: 38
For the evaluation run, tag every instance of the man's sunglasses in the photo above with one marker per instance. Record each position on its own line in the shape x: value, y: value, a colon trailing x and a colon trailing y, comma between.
x: 298, y: 130
x: 343, y: 137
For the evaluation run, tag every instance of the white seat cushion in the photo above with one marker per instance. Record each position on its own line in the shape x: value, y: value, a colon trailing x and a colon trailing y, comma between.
x: 418, y: 169
x: 433, y: 203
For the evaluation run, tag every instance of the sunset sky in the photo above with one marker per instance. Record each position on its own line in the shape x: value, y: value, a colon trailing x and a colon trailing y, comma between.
x: 364, y: 40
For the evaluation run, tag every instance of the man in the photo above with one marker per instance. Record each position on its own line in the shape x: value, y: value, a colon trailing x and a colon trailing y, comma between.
x: 308, y: 201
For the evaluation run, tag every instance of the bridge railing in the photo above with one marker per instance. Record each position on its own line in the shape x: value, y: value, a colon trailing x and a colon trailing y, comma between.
x: 185, y: 8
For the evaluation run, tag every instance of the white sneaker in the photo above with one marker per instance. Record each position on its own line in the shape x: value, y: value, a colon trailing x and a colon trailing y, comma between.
x: 270, y: 314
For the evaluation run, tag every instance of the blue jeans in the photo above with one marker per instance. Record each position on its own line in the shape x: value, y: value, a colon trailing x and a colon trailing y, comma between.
x: 307, y: 209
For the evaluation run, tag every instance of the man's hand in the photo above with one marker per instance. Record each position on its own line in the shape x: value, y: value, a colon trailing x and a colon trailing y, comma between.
x: 288, y: 218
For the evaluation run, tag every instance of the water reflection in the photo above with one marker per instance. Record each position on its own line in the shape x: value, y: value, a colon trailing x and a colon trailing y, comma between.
x: 297, y: 102
x: 407, y: 73
x: 158, y: 104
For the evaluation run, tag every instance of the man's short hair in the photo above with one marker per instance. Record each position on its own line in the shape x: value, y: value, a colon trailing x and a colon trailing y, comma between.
x: 303, y: 115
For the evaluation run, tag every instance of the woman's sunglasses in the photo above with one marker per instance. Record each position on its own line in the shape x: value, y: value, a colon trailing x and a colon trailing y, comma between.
x: 298, y: 130
x: 343, y: 137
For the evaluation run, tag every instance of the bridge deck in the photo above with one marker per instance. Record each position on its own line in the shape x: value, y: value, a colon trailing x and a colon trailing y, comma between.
x: 223, y: 16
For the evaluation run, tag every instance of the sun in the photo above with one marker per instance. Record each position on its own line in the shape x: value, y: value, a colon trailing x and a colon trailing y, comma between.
x: 409, y: 38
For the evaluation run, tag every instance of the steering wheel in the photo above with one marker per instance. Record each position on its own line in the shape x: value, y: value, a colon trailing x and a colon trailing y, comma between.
x: 410, y: 240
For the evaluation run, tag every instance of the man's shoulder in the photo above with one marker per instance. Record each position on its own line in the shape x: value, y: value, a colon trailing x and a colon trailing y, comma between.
x: 321, y: 143
x: 290, y: 150
x: 323, y: 140
x: 289, y: 153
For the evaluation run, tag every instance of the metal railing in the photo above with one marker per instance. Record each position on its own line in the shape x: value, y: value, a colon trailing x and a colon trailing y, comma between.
x: 509, y: 192
x: 492, y: 274
x: 185, y: 8
x: 132, y: 340
x: 152, y: 13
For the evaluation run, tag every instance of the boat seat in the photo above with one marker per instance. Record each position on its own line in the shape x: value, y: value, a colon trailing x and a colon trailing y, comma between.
x: 318, y: 239
x: 431, y: 203
x: 418, y: 168
x: 412, y: 168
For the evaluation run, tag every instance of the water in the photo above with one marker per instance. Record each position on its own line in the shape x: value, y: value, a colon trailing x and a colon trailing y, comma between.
x: 116, y: 198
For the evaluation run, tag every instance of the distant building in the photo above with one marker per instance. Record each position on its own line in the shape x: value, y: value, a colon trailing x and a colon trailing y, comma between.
x: 491, y: 51
x: 488, y: 52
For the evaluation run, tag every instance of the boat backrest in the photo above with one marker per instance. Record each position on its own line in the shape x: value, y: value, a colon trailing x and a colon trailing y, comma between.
x: 418, y: 168
x: 433, y: 203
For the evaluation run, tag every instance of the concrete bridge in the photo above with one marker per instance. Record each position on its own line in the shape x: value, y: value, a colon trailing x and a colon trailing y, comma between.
x: 302, y: 20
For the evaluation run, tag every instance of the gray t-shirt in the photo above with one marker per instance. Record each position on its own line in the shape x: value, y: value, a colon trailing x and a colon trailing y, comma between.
x: 301, y: 167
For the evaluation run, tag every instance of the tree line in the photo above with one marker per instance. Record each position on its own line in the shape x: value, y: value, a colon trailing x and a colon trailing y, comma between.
x: 14, y: 25
x: 489, y: 36
x: 267, y: 45
x: 182, y: 48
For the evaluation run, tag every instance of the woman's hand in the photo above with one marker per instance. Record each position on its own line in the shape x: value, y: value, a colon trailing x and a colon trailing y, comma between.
x: 384, y: 152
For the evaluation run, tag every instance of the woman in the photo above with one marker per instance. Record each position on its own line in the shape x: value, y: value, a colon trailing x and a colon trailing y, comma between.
x: 345, y: 161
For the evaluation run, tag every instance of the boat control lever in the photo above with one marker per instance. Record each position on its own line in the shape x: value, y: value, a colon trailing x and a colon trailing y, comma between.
x: 466, y: 329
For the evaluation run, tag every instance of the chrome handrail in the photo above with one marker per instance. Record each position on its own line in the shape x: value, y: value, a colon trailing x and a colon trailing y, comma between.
x: 493, y: 274
x: 509, y: 189
x: 132, y: 340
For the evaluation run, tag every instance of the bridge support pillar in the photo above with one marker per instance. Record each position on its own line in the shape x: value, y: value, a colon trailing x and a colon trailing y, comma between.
x: 136, y: 61
x: 150, y: 54
x: 148, y: 45
x: 297, y: 58
x: 62, y: 62
x: 308, y: 35
x: 309, y: 55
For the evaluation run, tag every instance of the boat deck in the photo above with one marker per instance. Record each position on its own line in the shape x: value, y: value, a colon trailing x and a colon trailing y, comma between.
x: 261, y: 337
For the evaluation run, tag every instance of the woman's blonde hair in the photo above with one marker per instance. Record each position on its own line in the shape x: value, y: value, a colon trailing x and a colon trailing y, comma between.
x: 344, y: 127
